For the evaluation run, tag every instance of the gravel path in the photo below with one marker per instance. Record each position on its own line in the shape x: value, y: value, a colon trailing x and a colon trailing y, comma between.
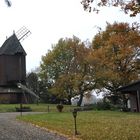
x: 12, y: 129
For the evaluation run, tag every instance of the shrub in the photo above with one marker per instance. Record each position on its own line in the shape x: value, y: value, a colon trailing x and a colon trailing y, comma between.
x: 60, y: 107
x: 103, y: 105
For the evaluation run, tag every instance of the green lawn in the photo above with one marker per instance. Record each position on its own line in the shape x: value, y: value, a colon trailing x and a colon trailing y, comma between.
x: 8, y: 107
x: 34, y: 107
x: 91, y: 125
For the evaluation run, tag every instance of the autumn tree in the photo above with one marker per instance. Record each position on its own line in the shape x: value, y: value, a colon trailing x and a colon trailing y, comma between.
x: 132, y: 6
x: 115, y: 55
x: 54, y: 66
x: 64, y: 68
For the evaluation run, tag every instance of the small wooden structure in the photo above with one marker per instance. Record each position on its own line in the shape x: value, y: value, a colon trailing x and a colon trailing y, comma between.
x: 133, y: 91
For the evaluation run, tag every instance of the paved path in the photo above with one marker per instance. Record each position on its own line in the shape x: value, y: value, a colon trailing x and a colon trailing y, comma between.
x: 12, y: 129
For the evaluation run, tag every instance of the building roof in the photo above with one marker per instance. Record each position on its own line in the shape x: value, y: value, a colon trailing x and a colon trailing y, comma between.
x: 12, y: 46
x: 132, y: 87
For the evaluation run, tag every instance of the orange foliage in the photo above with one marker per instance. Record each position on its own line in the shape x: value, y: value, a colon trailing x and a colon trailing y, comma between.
x: 128, y: 6
x: 114, y: 55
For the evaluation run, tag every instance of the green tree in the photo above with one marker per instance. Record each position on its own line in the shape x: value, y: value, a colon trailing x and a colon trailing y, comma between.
x: 64, y: 67
x: 32, y: 81
x: 40, y: 87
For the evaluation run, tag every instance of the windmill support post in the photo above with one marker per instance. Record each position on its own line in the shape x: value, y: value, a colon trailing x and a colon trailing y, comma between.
x: 21, y: 104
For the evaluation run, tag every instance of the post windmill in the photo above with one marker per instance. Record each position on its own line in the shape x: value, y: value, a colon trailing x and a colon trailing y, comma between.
x: 13, y: 69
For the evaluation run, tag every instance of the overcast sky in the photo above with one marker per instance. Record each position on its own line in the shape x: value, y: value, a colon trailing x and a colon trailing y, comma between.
x: 50, y: 20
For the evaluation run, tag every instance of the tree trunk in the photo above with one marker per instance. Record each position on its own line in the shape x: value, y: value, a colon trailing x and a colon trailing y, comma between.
x: 125, y: 101
x: 69, y: 100
x: 80, y: 100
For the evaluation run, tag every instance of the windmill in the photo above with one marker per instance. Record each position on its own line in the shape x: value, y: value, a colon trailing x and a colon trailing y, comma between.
x: 13, y: 66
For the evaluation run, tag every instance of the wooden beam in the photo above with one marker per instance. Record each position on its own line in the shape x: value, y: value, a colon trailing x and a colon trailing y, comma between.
x: 10, y: 90
x: 138, y: 98
x: 24, y: 88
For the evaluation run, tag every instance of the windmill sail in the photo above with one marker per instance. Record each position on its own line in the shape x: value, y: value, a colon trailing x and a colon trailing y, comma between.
x: 22, y: 33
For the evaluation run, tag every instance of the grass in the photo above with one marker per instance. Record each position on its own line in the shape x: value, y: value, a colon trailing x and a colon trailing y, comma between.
x: 34, y: 107
x: 91, y: 125
x: 7, y: 107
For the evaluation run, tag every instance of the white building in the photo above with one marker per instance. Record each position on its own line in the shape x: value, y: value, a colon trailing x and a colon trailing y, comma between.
x: 88, y: 99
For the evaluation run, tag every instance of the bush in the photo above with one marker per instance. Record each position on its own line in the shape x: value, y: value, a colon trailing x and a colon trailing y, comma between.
x: 103, y: 105
x: 60, y: 107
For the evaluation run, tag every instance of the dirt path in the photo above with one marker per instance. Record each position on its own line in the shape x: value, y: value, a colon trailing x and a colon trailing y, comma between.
x: 12, y: 129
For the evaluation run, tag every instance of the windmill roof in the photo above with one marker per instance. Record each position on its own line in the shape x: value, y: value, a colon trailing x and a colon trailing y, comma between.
x: 12, y: 46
